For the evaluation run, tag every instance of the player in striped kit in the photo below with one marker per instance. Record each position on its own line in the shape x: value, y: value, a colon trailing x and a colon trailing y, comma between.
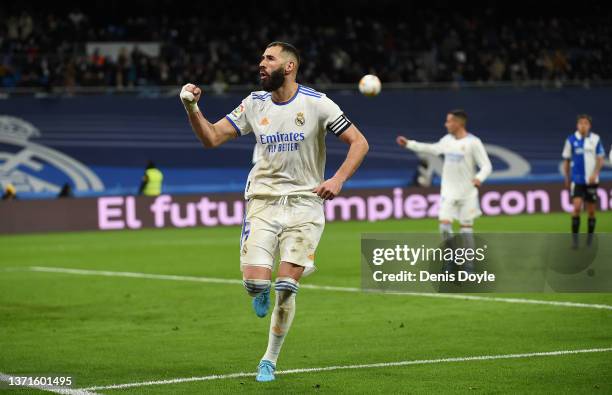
x: 583, y: 157
x: 285, y: 189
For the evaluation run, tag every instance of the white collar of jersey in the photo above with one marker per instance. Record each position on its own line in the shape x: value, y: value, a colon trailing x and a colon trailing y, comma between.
x: 282, y: 103
x: 467, y: 135
x: 579, y: 135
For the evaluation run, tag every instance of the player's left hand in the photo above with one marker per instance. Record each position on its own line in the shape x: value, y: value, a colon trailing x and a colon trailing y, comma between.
x: 476, y: 182
x: 329, y: 189
x: 592, y: 179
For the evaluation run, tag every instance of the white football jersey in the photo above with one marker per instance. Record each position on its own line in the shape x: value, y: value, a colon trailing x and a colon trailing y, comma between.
x: 461, y: 156
x: 290, y: 139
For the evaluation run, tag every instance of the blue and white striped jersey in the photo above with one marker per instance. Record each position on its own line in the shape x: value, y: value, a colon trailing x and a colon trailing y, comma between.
x: 583, y: 153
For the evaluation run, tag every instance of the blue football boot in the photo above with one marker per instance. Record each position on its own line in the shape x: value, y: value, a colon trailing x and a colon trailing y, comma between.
x: 261, y: 303
x: 265, y: 371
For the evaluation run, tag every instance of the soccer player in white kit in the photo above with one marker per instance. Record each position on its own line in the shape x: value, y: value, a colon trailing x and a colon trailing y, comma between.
x: 285, y: 189
x: 463, y: 152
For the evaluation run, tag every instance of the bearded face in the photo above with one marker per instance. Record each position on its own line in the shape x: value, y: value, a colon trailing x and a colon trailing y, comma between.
x: 272, y: 81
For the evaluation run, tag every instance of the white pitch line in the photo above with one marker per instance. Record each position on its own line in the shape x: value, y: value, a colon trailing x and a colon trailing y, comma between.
x: 348, y: 367
x: 171, y: 277
x: 317, y: 287
x: 107, y: 273
x: 58, y: 390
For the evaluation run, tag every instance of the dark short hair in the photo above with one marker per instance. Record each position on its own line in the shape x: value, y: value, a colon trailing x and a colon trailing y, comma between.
x: 584, y: 116
x: 286, y: 48
x: 461, y: 114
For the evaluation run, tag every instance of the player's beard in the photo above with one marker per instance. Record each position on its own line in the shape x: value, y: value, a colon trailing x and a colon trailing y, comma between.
x: 275, y: 80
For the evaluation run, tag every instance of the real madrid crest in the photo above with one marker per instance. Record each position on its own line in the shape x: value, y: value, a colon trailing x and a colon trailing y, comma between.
x: 299, y: 119
x: 27, y: 165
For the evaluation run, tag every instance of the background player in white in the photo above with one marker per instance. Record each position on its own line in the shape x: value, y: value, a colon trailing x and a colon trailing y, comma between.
x: 285, y: 188
x: 583, y: 157
x: 459, y: 190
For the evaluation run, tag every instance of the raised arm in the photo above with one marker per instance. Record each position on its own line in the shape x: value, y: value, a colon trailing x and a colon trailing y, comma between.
x: 358, y: 148
x: 211, y: 135
x: 425, y: 148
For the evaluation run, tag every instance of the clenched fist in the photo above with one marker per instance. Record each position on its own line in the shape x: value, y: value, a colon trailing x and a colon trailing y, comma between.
x: 401, y: 141
x: 329, y: 189
x: 190, y: 95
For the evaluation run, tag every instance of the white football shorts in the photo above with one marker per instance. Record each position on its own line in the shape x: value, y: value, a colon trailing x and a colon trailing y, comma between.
x: 289, y: 227
x: 465, y: 209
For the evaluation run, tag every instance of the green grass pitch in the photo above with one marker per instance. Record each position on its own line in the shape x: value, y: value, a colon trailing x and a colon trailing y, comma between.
x: 113, y: 330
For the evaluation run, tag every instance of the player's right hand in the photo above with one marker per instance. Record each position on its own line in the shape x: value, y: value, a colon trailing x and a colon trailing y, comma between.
x: 401, y: 141
x: 190, y: 94
x: 567, y: 183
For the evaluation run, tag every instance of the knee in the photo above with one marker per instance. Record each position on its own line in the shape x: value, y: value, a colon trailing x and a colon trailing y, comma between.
x: 256, y: 286
x: 591, y: 211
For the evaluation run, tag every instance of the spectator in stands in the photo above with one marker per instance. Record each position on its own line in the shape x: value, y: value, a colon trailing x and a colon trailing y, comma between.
x: 38, y: 49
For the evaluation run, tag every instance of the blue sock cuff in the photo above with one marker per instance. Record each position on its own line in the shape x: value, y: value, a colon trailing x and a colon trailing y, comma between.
x: 255, y: 287
x: 286, y: 284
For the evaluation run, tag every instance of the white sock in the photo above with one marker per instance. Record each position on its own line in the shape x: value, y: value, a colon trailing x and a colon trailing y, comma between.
x: 447, y: 231
x: 467, y: 234
x: 282, y: 316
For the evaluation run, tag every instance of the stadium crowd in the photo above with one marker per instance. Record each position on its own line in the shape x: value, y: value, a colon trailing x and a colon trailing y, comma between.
x: 48, y: 50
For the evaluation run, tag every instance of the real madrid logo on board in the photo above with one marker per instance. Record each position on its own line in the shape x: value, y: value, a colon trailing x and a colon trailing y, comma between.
x: 299, y: 119
x: 32, y: 167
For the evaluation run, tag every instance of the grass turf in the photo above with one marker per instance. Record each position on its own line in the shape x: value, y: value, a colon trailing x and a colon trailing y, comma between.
x: 108, y: 330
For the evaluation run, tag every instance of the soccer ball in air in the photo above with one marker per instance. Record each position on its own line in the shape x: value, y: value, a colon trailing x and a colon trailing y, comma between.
x: 370, y: 85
